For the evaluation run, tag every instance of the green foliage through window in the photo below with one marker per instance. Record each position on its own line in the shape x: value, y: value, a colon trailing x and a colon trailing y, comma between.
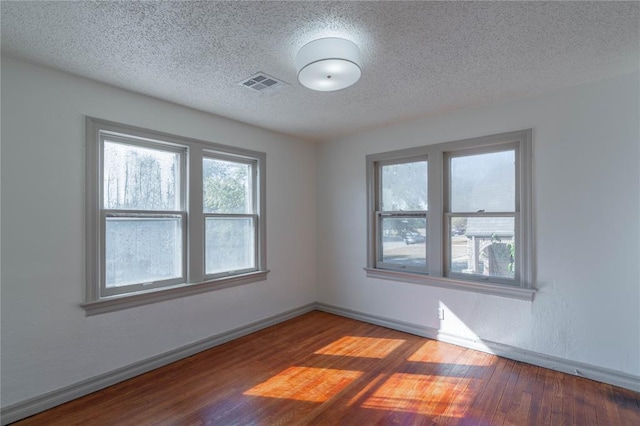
x: 226, y: 186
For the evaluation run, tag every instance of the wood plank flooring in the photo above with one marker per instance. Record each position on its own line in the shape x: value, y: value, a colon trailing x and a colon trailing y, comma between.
x: 322, y: 369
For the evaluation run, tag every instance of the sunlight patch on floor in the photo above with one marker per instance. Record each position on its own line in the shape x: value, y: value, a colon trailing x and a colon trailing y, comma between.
x: 364, y: 347
x: 433, y: 352
x: 416, y: 393
x: 427, y: 352
x: 305, y: 384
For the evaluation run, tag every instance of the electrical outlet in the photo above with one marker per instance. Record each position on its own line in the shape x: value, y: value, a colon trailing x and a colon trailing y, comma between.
x: 441, y: 314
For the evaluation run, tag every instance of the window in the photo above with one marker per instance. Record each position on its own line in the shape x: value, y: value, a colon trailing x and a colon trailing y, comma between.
x: 143, y: 215
x: 455, y: 215
x: 401, y: 220
x: 169, y: 216
x: 230, y: 216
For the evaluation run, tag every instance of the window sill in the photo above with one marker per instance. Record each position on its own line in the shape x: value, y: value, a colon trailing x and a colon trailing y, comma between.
x: 126, y: 301
x: 448, y: 283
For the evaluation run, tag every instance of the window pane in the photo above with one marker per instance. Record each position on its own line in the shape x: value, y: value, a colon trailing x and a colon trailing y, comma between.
x: 404, y: 187
x: 140, y: 178
x: 483, y: 182
x: 142, y: 250
x: 227, y: 186
x: 230, y: 244
x: 482, y: 246
x: 404, y: 241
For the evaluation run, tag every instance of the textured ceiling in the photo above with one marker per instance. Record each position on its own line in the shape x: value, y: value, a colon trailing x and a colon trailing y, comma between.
x: 418, y: 58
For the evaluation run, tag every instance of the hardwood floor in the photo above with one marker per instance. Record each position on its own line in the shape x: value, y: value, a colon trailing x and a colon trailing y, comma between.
x: 323, y: 369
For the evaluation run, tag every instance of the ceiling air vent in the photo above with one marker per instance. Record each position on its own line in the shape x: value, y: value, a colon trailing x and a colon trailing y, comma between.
x: 263, y: 83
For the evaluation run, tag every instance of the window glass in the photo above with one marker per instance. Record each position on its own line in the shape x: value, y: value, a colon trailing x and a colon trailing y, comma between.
x: 404, y: 241
x: 482, y: 246
x: 230, y: 244
x: 226, y: 186
x: 404, y: 186
x: 140, y: 178
x: 142, y: 250
x: 483, y: 182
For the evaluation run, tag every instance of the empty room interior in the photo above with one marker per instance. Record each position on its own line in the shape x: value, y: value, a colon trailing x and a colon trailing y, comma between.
x: 331, y: 212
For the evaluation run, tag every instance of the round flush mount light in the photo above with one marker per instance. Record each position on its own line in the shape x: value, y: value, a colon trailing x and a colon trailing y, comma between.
x: 328, y: 64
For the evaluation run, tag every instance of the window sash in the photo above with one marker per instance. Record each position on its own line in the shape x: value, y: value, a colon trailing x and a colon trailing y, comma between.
x: 379, y: 262
x: 255, y: 255
x: 253, y: 214
x: 378, y: 249
x: 394, y: 162
x: 479, y: 277
x: 162, y: 146
x: 469, y: 152
x: 253, y: 175
x: 146, y: 286
x: 448, y: 214
x: 132, y: 140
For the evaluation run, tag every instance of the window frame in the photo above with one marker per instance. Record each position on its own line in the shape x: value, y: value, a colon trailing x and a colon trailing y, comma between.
x: 253, y: 163
x: 448, y: 213
x: 195, y: 280
x: 522, y: 286
x: 106, y: 213
x: 393, y: 214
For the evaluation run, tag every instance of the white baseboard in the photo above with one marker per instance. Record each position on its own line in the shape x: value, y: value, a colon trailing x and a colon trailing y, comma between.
x: 48, y: 400
x: 600, y: 374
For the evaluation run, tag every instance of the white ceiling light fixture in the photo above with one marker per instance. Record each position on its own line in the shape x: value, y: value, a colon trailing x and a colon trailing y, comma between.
x: 328, y: 64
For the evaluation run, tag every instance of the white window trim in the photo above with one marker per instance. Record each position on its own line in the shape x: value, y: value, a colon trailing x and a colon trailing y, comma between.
x: 196, y: 280
x: 523, y: 287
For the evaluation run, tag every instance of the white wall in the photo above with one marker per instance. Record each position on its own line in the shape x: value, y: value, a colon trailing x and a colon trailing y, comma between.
x: 587, y: 213
x: 587, y: 210
x: 47, y: 341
